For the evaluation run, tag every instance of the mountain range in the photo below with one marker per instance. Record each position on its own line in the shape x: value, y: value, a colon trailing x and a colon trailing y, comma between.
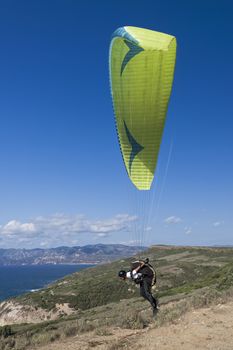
x: 88, y: 254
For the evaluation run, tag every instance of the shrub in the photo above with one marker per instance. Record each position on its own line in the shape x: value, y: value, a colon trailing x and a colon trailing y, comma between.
x: 54, y: 337
x: 5, y: 331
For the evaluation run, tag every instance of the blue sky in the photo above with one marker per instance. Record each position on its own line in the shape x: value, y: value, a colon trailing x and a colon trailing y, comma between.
x: 62, y: 180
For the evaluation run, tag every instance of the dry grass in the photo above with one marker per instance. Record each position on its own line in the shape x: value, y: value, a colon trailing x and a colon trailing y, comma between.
x: 103, y: 332
x: 200, y: 298
x: 128, y: 314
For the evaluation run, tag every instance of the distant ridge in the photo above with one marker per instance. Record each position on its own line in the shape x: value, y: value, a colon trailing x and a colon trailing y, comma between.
x: 92, y: 254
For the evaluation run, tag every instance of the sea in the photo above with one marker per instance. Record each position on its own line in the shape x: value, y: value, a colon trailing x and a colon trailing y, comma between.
x: 16, y: 280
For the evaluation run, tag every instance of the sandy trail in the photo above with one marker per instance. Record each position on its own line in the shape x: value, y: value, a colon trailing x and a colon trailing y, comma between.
x: 205, y: 328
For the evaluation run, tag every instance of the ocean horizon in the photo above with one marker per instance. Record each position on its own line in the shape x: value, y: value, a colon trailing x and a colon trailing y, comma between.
x: 19, y: 279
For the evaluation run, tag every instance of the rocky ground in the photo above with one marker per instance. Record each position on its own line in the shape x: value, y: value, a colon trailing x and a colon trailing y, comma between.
x: 205, y: 328
x: 12, y: 312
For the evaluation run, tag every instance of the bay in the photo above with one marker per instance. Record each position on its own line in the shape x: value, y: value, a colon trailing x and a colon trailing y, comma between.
x: 16, y: 280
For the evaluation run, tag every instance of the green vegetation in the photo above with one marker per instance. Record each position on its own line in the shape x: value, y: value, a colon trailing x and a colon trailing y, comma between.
x: 189, y: 277
x: 179, y: 270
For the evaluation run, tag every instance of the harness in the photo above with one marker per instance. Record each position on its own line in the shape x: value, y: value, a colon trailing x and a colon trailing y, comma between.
x: 135, y: 264
x: 154, y: 274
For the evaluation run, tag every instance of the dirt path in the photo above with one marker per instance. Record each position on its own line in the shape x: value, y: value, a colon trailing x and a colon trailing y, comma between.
x: 206, y: 328
x: 209, y: 328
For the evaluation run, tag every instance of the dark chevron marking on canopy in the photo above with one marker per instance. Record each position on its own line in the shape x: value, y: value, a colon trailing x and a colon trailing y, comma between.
x: 136, y: 147
x: 133, y: 51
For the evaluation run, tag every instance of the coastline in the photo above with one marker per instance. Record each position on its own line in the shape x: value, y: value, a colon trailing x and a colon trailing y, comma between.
x: 17, y: 280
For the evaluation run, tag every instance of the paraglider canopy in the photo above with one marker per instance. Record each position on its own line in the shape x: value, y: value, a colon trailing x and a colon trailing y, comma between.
x: 142, y: 65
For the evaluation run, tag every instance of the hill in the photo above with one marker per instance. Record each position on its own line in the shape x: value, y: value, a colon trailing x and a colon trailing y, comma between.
x: 96, y: 300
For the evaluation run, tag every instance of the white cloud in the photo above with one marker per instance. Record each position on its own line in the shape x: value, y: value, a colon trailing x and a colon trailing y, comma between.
x: 131, y: 242
x: 79, y: 223
x: 62, y: 229
x: 172, y: 220
x: 44, y: 244
x: 101, y: 234
x: 188, y: 230
x: 14, y: 227
x: 218, y: 223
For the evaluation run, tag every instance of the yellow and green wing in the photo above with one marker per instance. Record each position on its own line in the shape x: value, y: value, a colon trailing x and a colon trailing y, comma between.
x: 142, y: 65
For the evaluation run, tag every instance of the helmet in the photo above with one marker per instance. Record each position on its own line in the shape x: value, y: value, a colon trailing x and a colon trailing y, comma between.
x: 122, y: 274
